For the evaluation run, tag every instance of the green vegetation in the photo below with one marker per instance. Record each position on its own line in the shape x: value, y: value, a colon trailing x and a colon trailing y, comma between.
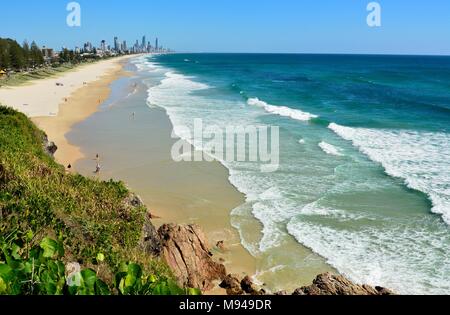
x: 16, y: 57
x: 24, y: 63
x: 50, y: 219
x: 20, y: 78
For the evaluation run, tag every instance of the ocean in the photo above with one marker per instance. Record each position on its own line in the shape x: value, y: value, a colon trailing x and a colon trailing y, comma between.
x: 364, y: 176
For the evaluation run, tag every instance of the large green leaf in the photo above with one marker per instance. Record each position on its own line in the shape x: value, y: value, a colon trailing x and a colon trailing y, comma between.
x: 15, y: 251
x: 3, y: 286
x: 51, y: 248
x: 192, y: 291
x: 6, y: 272
x: 89, y: 278
x: 133, y: 275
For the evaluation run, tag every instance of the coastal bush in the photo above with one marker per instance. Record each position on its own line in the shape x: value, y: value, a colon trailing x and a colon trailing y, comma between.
x: 49, y: 218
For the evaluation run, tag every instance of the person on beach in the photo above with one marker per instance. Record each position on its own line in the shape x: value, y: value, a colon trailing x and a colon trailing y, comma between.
x: 97, y: 168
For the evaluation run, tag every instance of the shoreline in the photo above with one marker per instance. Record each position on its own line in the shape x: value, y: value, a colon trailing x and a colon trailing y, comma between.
x: 208, y: 205
x: 139, y: 154
x: 84, y: 90
x: 183, y: 193
x: 81, y: 104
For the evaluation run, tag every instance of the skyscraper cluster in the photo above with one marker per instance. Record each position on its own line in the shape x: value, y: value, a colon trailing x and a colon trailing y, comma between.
x: 118, y: 47
x: 146, y: 47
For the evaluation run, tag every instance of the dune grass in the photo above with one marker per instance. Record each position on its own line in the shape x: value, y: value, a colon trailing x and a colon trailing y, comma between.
x: 38, y: 199
x: 22, y: 78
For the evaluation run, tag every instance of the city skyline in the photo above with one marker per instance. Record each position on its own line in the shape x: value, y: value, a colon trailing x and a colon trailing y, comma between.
x: 121, y: 47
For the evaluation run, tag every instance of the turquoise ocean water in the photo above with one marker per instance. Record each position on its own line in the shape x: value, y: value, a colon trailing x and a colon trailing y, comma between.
x: 364, y: 177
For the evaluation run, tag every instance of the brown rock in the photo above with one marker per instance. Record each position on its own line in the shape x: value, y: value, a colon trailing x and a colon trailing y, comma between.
x: 329, y: 284
x: 221, y: 245
x: 150, y: 241
x: 186, y: 251
x: 232, y: 285
x: 249, y: 287
x: 281, y: 293
x: 49, y: 147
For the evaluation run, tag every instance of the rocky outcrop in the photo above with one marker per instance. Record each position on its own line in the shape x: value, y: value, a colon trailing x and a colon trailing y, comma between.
x: 150, y: 241
x: 330, y: 284
x: 186, y: 251
x: 324, y: 284
x: 234, y: 286
x: 250, y: 288
x: 49, y: 146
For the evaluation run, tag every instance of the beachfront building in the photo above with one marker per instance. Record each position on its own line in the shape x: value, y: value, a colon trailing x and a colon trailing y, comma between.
x: 48, y: 54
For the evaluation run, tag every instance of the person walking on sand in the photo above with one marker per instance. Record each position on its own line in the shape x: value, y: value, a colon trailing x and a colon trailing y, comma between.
x: 98, y: 167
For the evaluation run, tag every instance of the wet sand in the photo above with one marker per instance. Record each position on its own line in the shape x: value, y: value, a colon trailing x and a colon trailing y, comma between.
x: 136, y: 149
x: 76, y: 107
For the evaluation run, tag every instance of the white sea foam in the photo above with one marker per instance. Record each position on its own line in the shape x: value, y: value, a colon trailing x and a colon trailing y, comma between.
x: 420, y: 158
x: 281, y: 110
x: 405, y: 257
x: 301, y: 141
x: 144, y: 63
x: 330, y: 149
x: 287, y: 198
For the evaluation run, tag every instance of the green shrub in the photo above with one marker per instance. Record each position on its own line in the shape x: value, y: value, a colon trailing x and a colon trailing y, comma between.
x: 38, y: 199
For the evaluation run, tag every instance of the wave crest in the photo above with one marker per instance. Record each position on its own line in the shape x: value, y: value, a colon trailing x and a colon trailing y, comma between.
x: 281, y: 110
x: 420, y: 158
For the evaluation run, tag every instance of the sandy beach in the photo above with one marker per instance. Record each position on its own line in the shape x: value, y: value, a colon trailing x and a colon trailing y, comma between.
x: 61, y: 106
x: 138, y: 153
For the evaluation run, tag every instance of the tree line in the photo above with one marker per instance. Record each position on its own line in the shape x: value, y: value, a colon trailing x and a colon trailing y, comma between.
x: 16, y: 57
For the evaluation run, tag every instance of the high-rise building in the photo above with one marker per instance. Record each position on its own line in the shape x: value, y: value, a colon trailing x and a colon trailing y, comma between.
x: 124, y: 46
x: 103, y: 45
x: 87, y: 47
x: 116, y: 44
x: 143, y: 42
x: 156, y: 44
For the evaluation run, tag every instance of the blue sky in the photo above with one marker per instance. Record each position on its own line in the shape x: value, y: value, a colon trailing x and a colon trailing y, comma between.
x: 318, y: 26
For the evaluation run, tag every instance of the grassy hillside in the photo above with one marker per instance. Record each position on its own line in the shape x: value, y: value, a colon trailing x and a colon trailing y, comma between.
x: 50, y: 218
x: 20, y: 78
